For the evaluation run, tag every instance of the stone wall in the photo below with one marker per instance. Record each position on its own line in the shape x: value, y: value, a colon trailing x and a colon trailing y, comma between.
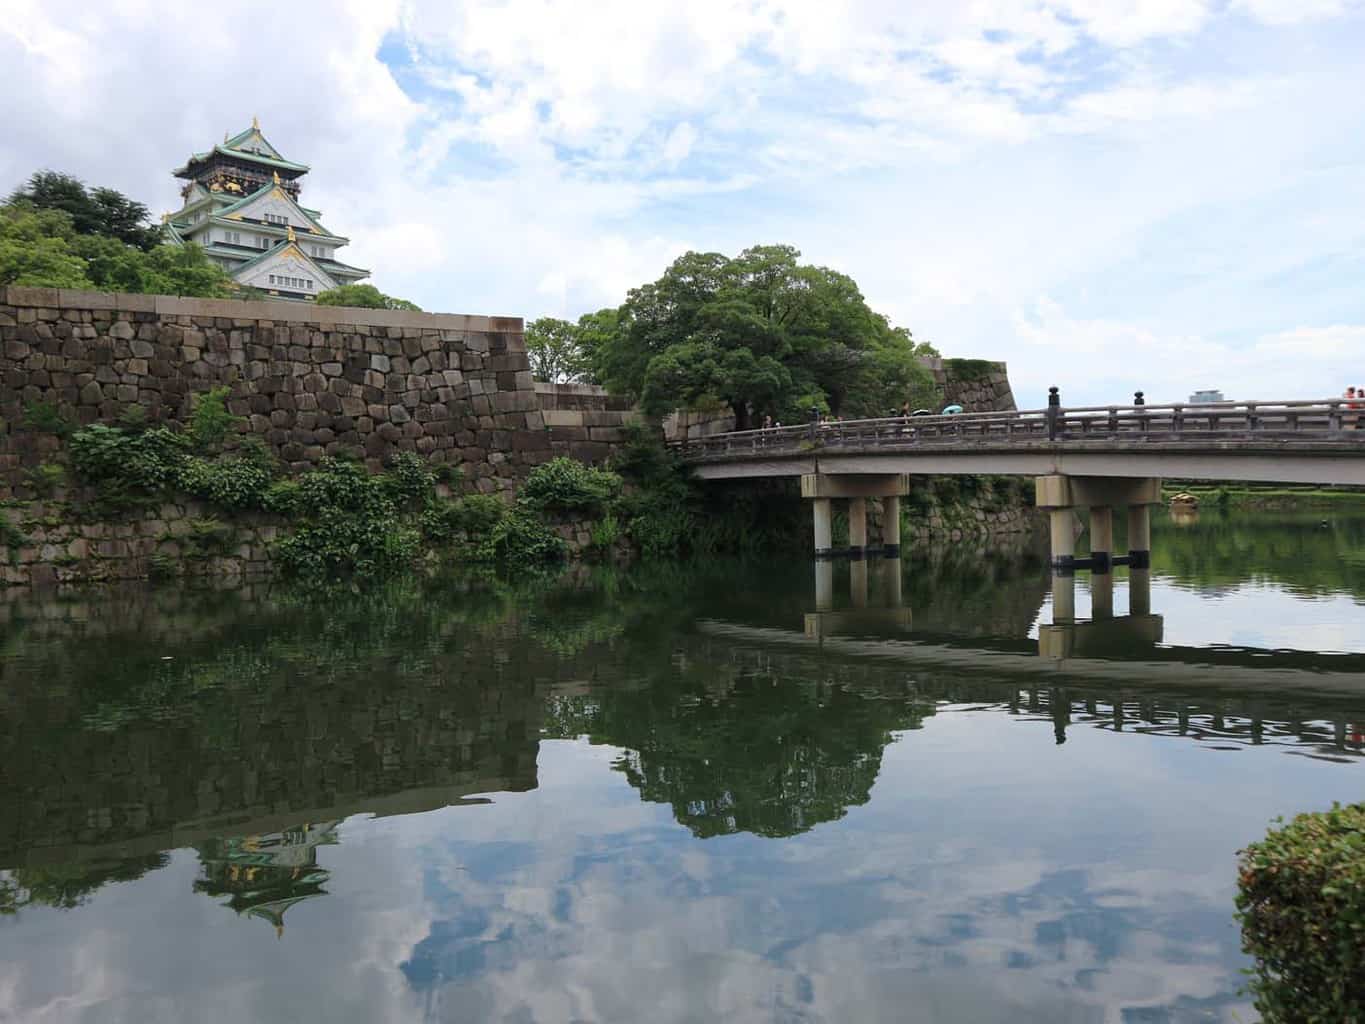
x: 310, y: 380
x: 180, y: 537
x: 978, y: 385
x: 588, y: 397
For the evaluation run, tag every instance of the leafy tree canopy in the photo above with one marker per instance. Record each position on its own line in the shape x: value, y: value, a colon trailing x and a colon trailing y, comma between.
x: 554, y: 350
x: 761, y: 333
x: 42, y: 246
x: 364, y: 296
x: 93, y: 211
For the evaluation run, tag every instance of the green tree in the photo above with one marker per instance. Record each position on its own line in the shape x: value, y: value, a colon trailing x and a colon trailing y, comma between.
x: 760, y: 333
x: 364, y: 296
x: 93, y: 211
x: 554, y: 350
x: 36, y: 249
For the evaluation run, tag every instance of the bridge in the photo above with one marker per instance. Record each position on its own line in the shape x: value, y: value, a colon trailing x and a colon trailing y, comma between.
x: 1097, y: 458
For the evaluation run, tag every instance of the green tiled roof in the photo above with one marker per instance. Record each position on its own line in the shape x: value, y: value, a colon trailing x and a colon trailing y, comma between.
x: 287, y: 165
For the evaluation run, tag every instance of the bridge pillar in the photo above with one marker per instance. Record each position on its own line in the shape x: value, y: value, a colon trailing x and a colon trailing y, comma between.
x: 1063, y: 521
x: 1140, y: 535
x: 824, y: 532
x: 1101, y: 562
x: 1139, y: 591
x: 891, y: 525
x: 1060, y: 495
x: 821, y: 488
x: 857, y: 527
x: 824, y: 585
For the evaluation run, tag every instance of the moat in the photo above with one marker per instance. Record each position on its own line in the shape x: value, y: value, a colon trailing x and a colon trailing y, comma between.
x: 672, y: 793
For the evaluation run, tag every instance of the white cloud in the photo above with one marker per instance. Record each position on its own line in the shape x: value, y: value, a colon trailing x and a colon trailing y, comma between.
x: 959, y: 160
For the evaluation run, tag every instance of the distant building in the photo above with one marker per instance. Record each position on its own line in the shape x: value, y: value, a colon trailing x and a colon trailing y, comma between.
x: 242, y: 206
x: 1207, y: 397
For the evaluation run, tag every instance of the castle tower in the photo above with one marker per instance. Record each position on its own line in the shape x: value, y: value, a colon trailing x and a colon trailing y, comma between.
x: 242, y: 205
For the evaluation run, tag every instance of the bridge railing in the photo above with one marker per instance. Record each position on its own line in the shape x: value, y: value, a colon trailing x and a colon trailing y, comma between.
x: 1332, y: 419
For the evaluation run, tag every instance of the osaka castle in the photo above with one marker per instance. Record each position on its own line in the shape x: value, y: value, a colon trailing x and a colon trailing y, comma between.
x: 242, y: 205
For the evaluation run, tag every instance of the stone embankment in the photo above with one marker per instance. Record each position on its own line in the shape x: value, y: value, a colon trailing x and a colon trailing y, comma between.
x: 310, y: 381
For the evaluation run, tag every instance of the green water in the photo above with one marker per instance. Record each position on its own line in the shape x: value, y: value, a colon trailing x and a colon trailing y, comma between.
x: 670, y: 793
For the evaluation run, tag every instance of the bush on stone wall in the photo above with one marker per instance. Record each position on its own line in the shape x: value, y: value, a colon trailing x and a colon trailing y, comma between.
x: 565, y: 485
x: 1301, y: 901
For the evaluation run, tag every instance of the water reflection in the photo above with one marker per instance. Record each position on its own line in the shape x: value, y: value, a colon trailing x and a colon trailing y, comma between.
x: 262, y: 876
x: 720, y: 792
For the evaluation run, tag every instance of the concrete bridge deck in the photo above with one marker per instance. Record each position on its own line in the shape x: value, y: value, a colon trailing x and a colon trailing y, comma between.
x: 1316, y: 442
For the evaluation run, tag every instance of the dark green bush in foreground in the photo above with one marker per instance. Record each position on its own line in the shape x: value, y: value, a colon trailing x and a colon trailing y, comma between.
x: 1301, y: 901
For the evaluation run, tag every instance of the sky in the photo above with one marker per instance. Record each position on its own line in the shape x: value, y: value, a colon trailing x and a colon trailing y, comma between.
x: 1108, y: 194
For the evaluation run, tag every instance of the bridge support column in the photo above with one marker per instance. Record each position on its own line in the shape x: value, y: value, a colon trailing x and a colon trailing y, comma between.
x: 1140, y: 536
x: 857, y: 527
x: 821, y: 488
x: 1101, y: 562
x: 824, y: 532
x: 1063, y: 565
x: 891, y: 526
x: 824, y: 585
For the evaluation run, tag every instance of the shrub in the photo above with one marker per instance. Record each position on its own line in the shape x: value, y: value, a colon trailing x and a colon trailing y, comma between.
x: 566, y: 485
x: 235, y: 482
x: 409, y: 480
x: 521, y: 541
x: 46, y: 479
x: 349, y: 526
x: 283, y: 497
x: 208, y: 537
x: 45, y: 417
x: 133, y: 418
x: 1301, y: 902
x: 480, y: 513
x: 605, y: 532
x: 210, y: 420
x: 124, y: 465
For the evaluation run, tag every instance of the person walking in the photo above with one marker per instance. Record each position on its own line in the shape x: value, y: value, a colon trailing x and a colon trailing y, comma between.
x: 1357, y: 405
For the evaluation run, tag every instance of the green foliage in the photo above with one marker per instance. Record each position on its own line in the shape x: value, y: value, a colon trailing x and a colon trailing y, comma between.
x: 47, y: 479
x: 133, y: 418
x: 92, y: 211
x: 161, y: 566
x: 1301, y: 902
x: 759, y: 333
x: 554, y: 351
x: 968, y: 369
x: 11, y: 536
x: 566, y: 485
x: 409, y: 481
x: 127, y: 466
x: 474, y: 516
x: 35, y: 250
x: 210, y: 420
x: 520, y: 541
x: 41, y: 248
x: 283, y: 497
x: 364, y: 296
x: 348, y: 526
x: 208, y: 537
x: 45, y: 417
x: 233, y: 482
x: 605, y: 533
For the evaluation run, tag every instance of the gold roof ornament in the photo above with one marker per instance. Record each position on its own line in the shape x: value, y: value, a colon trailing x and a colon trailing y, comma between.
x: 255, y: 123
x: 289, y: 233
x: 165, y: 218
x: 276, y: 176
